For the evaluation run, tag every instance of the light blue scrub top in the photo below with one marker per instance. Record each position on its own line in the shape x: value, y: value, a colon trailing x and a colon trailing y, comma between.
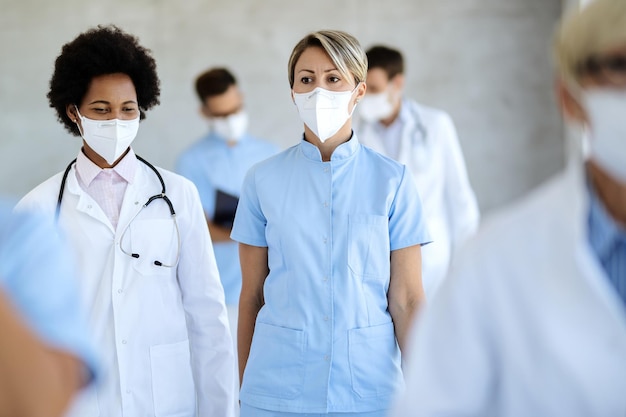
x: 324, y: 341
x: 211, y: 164
x: 37, y: 274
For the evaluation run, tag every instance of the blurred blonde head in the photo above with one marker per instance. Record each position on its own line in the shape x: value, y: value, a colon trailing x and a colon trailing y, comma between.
x: 342, y: 48
x: 588, y: 32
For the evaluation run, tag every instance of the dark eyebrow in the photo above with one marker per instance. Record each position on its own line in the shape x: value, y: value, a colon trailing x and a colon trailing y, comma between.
x: 107, y: 103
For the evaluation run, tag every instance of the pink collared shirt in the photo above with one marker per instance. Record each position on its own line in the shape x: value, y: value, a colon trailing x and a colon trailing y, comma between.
x: 107, y: 185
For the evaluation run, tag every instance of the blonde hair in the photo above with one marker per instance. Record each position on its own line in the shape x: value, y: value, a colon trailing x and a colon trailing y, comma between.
x: 342, y: 48
x: 586, y: 32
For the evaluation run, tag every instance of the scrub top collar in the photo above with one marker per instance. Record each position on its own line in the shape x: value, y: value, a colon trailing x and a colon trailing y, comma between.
x: 342, y: 152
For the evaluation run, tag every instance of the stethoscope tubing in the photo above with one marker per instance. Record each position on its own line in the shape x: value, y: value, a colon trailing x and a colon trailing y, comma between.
x: 162, y: 195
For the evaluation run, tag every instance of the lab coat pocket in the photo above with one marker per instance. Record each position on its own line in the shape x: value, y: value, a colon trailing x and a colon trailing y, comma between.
x: 374, y: 361
x: 368, y: 246
x: 275, y: 366
x: 173, y: 391
x: 154, y: 240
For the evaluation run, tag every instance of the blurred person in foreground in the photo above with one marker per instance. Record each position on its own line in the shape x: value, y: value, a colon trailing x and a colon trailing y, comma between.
x: 531, y: 320
x: 45, y: 354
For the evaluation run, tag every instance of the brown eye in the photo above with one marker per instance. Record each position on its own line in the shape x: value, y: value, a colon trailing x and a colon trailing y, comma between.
x: 617, y: 63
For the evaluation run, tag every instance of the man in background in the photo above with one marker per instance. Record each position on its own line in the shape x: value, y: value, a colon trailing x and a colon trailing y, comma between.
x: 217, y: 164
x: 425, y: 140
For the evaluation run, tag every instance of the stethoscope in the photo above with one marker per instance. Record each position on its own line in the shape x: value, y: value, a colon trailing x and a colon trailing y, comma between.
x: 419, y: 132
x: 150, y: 200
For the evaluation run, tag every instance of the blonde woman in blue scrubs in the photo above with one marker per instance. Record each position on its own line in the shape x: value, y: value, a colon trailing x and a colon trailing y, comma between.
x: 330, y: 235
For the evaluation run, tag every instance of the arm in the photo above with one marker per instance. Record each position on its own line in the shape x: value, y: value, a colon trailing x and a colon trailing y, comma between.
x: 218, y: 233
x: 212, y: 356
x: 405, y: 295
x: 35, y: 380
x: 254, y: 270
x: 190, y: 167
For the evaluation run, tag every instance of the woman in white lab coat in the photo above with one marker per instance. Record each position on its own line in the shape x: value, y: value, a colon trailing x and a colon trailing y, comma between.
x: 532, y: 319
x: 147, y: 270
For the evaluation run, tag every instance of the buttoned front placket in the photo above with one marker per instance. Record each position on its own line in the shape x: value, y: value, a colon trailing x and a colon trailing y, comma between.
x: 125, y: 342
x: 327, y: 312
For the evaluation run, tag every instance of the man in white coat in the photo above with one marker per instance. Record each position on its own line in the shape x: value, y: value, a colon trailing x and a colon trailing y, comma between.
x: 531, y: 320
x: 146, y: 267
x: 425, y: 140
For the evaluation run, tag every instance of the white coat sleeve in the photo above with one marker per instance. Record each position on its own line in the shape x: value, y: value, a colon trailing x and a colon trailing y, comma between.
x: 212, y: 355
x: 462, y: 207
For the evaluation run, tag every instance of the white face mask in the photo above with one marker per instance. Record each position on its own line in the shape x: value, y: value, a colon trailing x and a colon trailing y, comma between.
x: 374, y: 107
x: 231, y: 127
x: 606, y: 110
x: 324, y: 111
x: 108, y: 138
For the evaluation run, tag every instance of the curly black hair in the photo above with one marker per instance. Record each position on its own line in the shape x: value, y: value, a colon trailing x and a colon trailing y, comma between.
x: 100, y: 51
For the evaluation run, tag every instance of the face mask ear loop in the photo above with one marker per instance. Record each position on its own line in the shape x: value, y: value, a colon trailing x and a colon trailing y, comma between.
x: 78, y: 124
x: 580, y: 140
x: 356, y: 101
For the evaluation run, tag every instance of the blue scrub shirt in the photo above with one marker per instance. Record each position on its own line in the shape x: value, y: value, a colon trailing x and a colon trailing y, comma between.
x: 324, y: 341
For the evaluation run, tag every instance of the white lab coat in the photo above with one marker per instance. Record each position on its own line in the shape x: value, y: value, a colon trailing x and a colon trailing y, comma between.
x: 162, y: 332
x: 526, y: 324
x: 429, y: 147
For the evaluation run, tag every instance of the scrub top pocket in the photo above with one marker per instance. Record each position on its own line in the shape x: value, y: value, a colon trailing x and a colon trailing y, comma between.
x: 374, y: 361
x: 276, y: 364
x: 368, y: 246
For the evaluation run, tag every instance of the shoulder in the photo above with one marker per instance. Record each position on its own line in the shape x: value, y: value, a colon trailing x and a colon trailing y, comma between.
x: 543, y: 215
x: 197, y: 148
x: 176, y: 186
x: 382, y: 162
x: 171, y: 179
x: 430, y: 116
x: 43, y: 196
x: 262, y: 143
x: 276, y: 161
x: 253, y: 149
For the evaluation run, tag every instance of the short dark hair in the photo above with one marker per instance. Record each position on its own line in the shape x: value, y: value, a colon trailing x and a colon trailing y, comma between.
x: 214, y: 82
x: 388, y: 59
x: 100, y: 51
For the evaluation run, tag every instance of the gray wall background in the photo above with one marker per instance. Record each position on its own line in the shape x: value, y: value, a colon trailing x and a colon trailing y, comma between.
x: 486, y: 62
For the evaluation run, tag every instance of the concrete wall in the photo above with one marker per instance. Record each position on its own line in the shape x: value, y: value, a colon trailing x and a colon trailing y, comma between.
x: 486, y: 62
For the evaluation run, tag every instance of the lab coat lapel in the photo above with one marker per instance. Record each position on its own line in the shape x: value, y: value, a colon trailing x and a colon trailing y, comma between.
x: 405, y: 155
x: 413, y: 141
